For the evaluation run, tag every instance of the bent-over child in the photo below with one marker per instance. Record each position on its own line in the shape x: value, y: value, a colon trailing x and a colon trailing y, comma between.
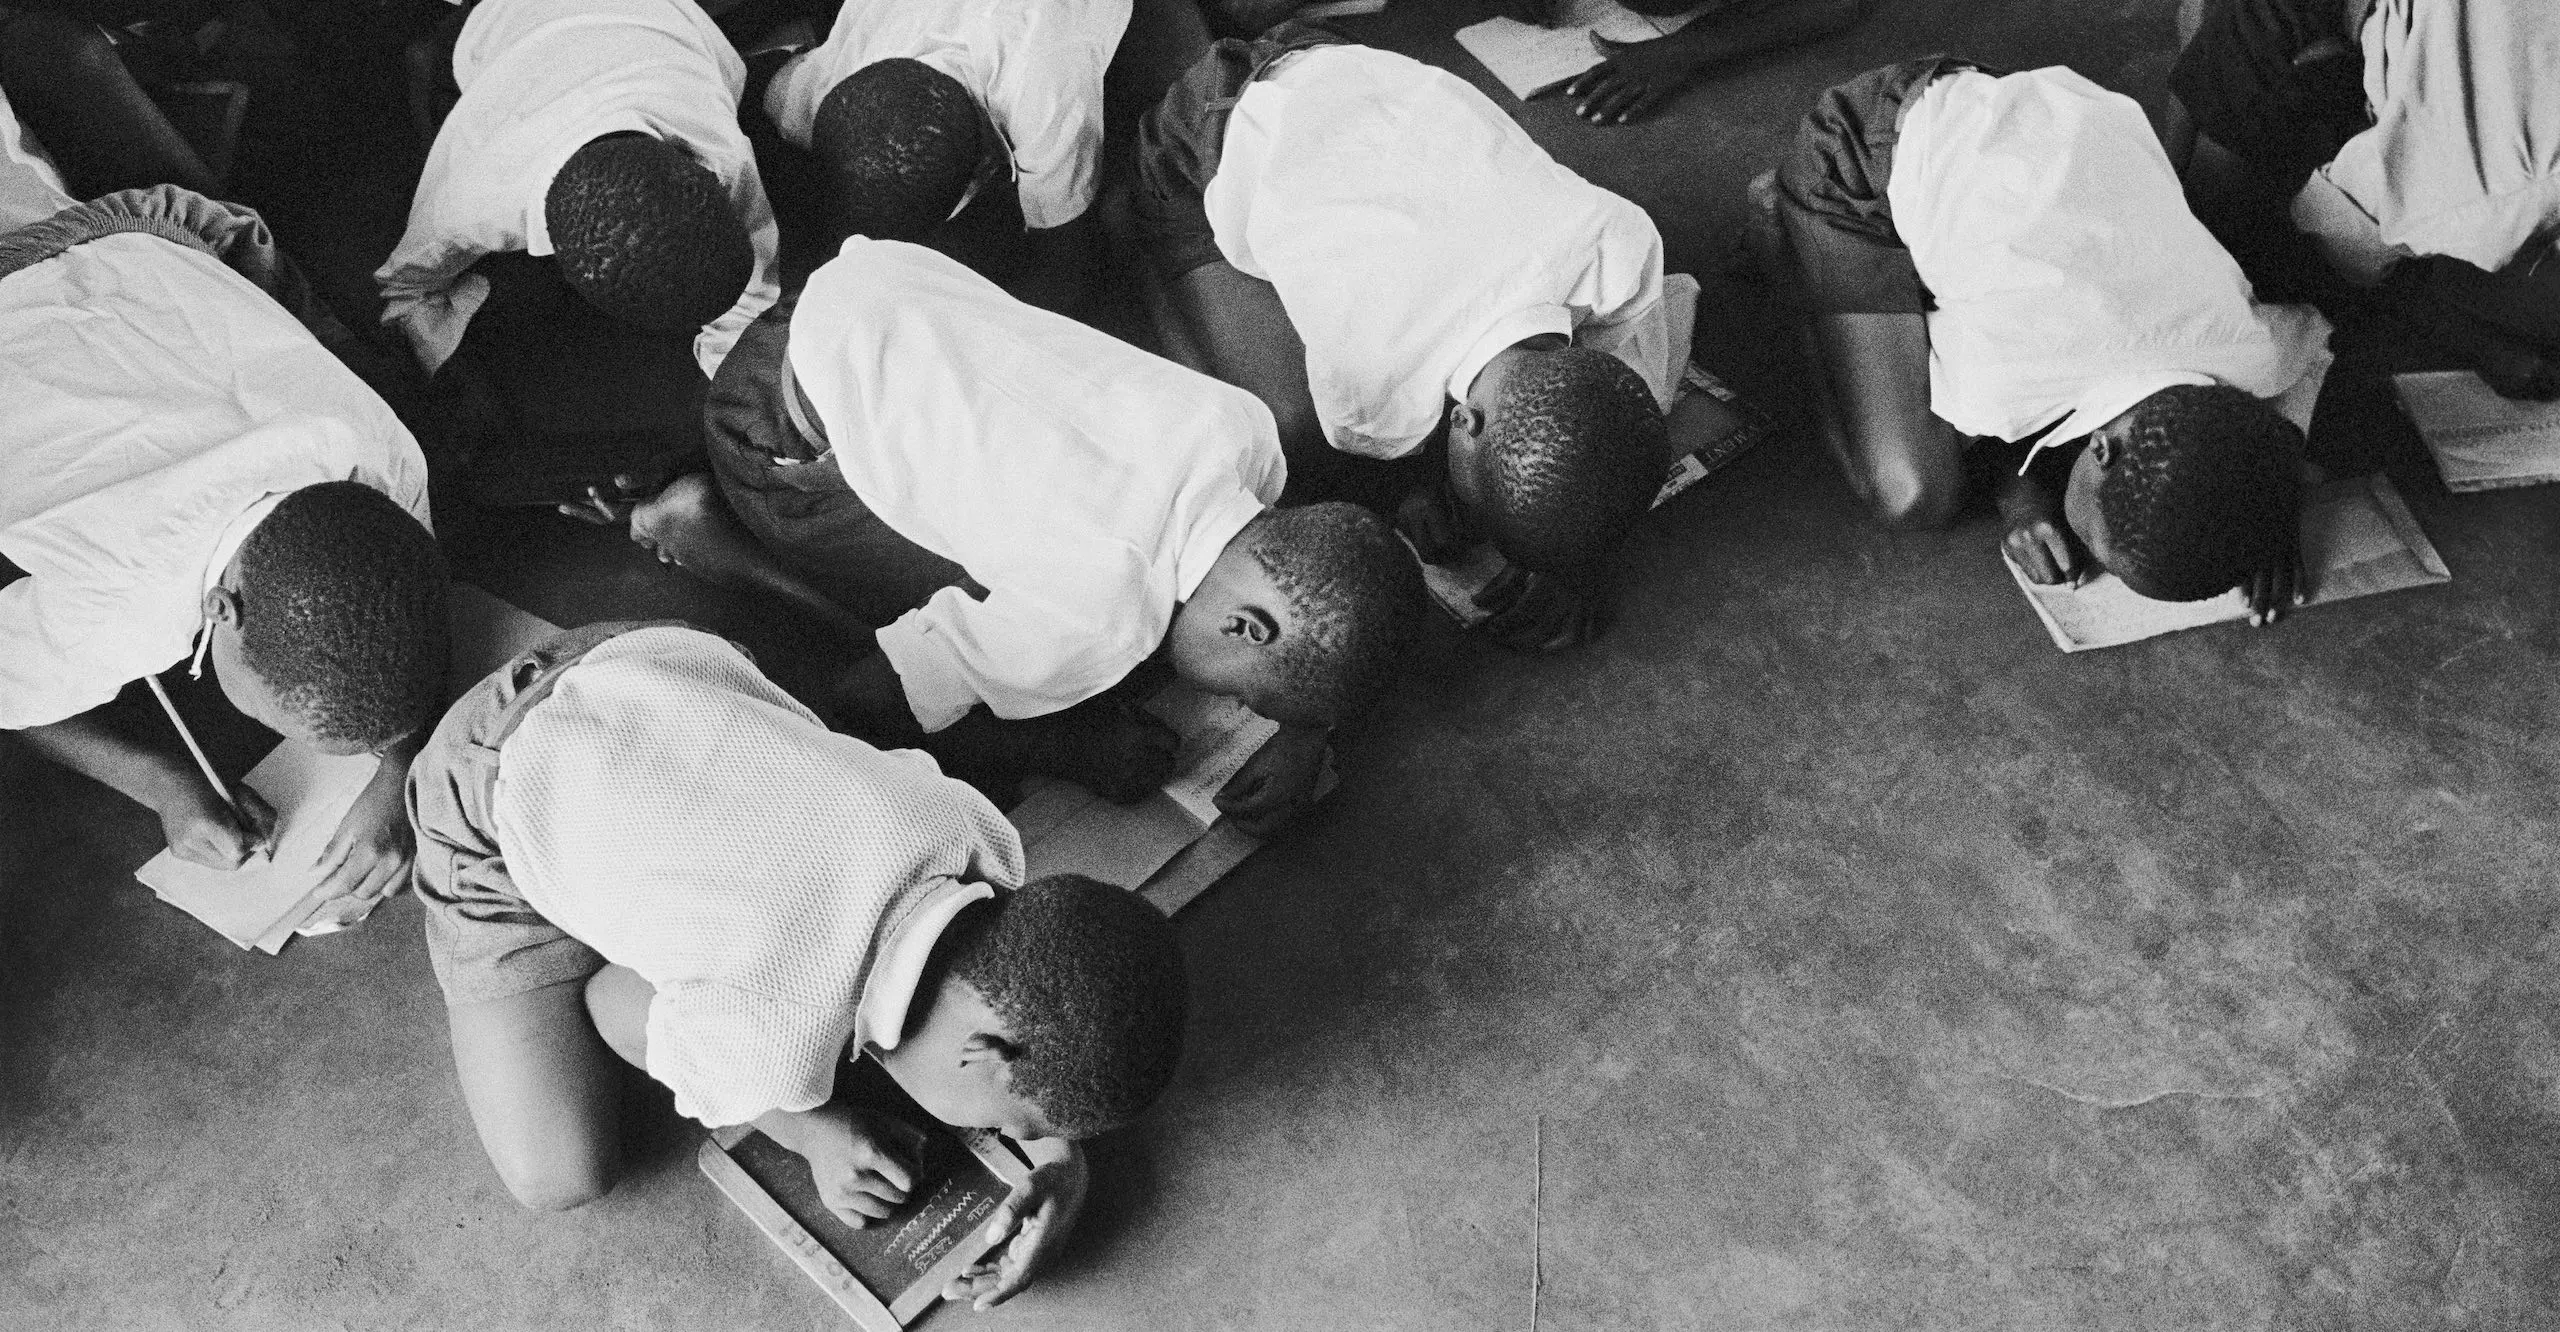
x: 2010, y: 257
x: 634, y: 844
x: 185, y: 470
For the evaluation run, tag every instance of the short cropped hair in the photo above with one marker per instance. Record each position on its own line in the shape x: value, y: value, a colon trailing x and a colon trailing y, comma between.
x: 1089, y: 981
x: 2206, y: 491
x: 342, y: 613
x: 1575, y: 455
x: 898, y: 140
x: 1355, y: 597
x: 647, y: 234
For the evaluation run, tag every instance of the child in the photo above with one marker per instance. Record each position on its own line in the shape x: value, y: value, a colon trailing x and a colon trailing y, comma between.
x: 1374, y: 249
x: 919, y: 110
x: 77, y: 98
x: 1062, y: 504
x: 193, y: 470
x: 601, y: 136
x: 2009, y: 256
x: 633, y: 843
x: 2417, y: 145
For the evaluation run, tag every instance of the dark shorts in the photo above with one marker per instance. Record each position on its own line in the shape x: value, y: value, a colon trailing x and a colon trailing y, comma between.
x: 2239, y: 82
x: 486, y: 941
x: 1831, y: 202
x: 1182, y: 138
x: 787, y: 490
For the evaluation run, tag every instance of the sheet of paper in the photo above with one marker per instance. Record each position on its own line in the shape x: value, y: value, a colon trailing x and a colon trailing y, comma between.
x: 1333, y: 9
x: 1218, y: 735
x: 1069, y: 830
x: 263, y: 901
x: 2358, y: 539
x: 1530, y: 60
x: 2481, y: 441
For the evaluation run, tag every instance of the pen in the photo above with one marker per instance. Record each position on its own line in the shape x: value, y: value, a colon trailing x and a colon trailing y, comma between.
x: 205, y: 764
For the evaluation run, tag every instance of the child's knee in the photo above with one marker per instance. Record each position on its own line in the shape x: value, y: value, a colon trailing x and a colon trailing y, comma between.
x: 556, y: 1184
x: 1913, y: 500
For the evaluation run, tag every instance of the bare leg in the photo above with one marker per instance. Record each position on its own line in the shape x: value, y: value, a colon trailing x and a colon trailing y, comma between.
x: 67, y: 82
x: 541, y: 1087
x: 688, y: 525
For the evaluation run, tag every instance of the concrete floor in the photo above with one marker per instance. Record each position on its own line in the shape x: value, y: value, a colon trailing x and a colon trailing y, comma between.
x: 1822, y: 950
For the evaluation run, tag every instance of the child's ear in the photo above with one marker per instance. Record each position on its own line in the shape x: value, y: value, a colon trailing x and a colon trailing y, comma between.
x: 1466, y: 420
x: 985, y: 1045
x: 2102, y: 450
x: 222, y: 605
x: 1253, y: 624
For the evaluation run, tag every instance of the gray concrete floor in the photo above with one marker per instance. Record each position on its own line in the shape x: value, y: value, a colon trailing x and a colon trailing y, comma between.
x: 1822, y: 950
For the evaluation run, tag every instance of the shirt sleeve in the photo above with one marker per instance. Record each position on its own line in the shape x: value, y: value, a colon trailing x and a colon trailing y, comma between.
x: 1053, y: 632
x: 731, y: 1054
x: 746, y: 193
x: 1049, y: 104
x: 44, y: 675
x: 1633, y: 320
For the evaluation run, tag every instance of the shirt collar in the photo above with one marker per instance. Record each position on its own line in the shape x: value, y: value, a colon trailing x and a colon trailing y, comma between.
x: 1518, y: 326
x: 2104, y: 401
x: 234, y: 535
x: 1209, y: 538
x: 880, y: 1016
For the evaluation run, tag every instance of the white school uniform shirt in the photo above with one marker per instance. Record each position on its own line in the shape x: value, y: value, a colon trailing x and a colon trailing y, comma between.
x: 2463, y: 157
x: 30, y: 185
x: 159, y: 405
x: 1034, y: 65
x: 1414, y: 231
x: 779, y: 884
x: 2071, y: 281
x: 1085, y: 484
x: 540, y: 79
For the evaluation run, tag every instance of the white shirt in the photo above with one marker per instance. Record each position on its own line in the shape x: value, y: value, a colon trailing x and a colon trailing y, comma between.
x: 2071, y: 280
x: 1085, y: 484
x: 1414, y: 231
x: 2463, y: 158
x: 154, y: 397
x: 778, y: 883
x: 30, y: 185
x: 540, y: 79
x: 1034, y: 65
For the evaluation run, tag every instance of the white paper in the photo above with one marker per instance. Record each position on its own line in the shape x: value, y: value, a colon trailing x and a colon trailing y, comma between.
x: 260, y: 903
x: 1218, y: 735
x: 1530, y: 60
x: 2481, y: 441
x: 2358, y: 539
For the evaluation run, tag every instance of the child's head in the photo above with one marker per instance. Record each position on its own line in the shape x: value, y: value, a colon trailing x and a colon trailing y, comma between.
x: 647, y: 235
x: 1554, y: 454
x: 900, y: 142
x: 329, y: 626
x: 1303, y: 616
x: 1054, y: 1011
x: 2188, y: 492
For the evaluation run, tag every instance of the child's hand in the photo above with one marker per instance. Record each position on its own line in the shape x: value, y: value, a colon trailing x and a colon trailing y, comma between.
x: 2043, y: 550
x: 863, y: 1163
x: 367, y: 859
x: 202, y: 831
x: 1542, y: 612
x: 1277, y: 783
x: 603, y: 508
x: 1429, y: 519
x: 1031, y: 1223
x: 1112, y: 748
x: 2277, y: 588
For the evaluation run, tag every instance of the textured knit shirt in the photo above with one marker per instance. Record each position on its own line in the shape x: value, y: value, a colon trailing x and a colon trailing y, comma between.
x: 1034, y: 65
x: 1085, y: 484
x: 2463, y: 158
x: 154, y: 399
x: 1414, y: 231
x: 677, y: 812
x: 2071, y: 281
x: 540, y: 79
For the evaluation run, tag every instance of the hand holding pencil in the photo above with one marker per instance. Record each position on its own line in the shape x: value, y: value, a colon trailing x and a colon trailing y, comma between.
x: 222, y: 827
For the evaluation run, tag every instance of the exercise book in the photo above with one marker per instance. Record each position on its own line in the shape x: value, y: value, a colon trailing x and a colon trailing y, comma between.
x: 2358, y: 539
x: 267, y: 901
x: 1531, y: 60
x: 2481, y: 441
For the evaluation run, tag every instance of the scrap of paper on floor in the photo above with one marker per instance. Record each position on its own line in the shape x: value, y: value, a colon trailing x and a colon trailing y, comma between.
x: 2481, y: 441
x: 2358, y: 539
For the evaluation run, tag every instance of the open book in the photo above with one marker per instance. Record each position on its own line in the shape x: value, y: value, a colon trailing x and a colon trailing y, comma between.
x: 1531, y: 60
x: 267, y: 901
x: 889, y: 1272
x: 2481, y: 441
x: 2358, y: 539
x: 1173, y: 844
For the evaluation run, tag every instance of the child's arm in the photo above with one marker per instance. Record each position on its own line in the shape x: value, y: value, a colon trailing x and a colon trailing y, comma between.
x: 1278, y: 782
x: 367, y: 859
x: 2038, y: 540
x: 1639, y: 74
x: 108, y: 744
x: 1029, y: 1224
x: 1545, y: 612
x: 1059, y: 263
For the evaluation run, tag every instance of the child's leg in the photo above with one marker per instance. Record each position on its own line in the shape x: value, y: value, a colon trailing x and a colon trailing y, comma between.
x: 541, y: 1087
x: 67, y: 82
x: 1899, y: 457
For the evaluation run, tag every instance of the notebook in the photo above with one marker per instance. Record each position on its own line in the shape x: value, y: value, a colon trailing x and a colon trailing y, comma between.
x: 2358, y: 539
x: 1531, y: 60
x: 2481, y: 441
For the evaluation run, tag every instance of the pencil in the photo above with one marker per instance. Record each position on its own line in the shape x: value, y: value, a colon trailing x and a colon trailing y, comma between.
x: 204, y: 764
